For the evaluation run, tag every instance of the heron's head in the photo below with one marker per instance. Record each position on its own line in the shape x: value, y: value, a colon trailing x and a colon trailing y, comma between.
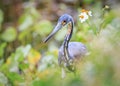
x: 62, y: 21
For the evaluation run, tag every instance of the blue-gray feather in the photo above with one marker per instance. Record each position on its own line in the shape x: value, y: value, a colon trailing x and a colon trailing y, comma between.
x: 76, y: 50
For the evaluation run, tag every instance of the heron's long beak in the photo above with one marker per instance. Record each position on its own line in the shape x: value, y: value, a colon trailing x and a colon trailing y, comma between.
x: 56, y: 29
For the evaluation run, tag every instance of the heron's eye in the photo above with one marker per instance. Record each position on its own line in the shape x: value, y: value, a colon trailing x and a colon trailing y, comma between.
x: 63, y: 22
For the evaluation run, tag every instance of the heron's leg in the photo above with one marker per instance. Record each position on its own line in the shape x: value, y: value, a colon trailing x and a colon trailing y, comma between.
x: 63, y: 73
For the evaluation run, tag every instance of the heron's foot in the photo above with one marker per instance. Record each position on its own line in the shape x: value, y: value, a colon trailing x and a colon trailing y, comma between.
x: 70, y: 62
x: 71, y: 67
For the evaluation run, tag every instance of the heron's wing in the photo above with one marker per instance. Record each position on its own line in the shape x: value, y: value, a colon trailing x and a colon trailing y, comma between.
x: 77, y: 49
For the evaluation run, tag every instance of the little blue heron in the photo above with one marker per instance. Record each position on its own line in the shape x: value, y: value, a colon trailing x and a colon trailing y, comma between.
x: 70, y: 53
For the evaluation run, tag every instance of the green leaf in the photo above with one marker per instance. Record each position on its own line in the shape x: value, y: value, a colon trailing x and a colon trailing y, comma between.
x: 22, y: 52
x: 1, y: 16
x: 34, y: 13
x: 25, y: 21
x: 23, y: 34
x: 44, y: 27
x: 14, y: 76
x: 3, y: 79
x: 2, y: 46
x: 88, y: 1
x: 23, y: 66
x: 37, y: 83
x: 9, y: 34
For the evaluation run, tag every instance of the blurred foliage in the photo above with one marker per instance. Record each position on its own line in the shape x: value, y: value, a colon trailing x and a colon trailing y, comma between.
x: 9, y: 34
x: 26, y: 61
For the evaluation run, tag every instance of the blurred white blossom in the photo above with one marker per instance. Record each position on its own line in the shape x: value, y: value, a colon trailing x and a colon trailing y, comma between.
x: 90, y: 13
x: 84, y: 15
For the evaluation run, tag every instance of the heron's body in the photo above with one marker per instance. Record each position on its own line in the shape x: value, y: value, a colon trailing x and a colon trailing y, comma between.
x: 76, y: 50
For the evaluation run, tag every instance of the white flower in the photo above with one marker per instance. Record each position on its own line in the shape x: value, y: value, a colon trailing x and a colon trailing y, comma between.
x: 83, y: 17
x: 89, y: 13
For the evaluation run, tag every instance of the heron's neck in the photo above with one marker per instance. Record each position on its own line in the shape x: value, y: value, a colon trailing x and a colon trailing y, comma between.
x: 69, y: 33
x: 67, y: 39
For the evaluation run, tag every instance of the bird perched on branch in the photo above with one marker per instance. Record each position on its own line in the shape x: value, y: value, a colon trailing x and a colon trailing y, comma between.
x: 70, y: 53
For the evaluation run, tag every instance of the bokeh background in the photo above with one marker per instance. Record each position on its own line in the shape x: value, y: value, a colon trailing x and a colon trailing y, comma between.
x: 26, y: 61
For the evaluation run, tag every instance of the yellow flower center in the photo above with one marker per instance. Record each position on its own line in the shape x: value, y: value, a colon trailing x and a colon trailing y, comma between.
x: 81, y: 16
x: 83, y: 10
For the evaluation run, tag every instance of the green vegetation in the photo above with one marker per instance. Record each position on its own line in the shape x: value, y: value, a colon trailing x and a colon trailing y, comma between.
x: 26, y: 61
